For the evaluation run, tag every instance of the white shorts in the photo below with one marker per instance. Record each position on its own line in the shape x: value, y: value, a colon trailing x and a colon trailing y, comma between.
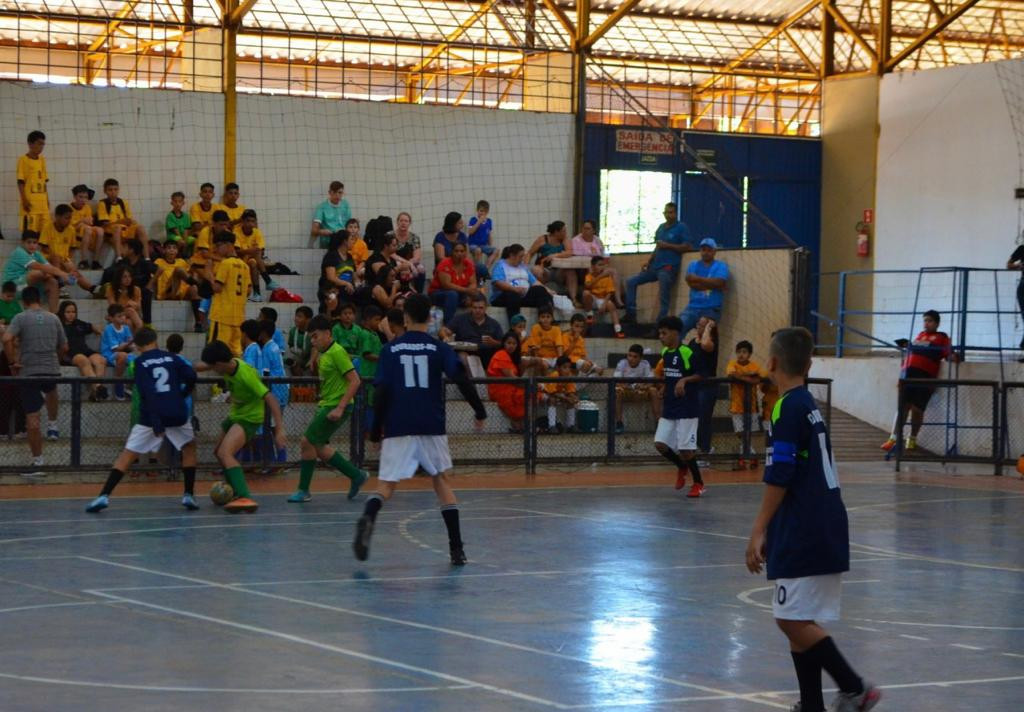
x: 599, y: 303
x: 142, y: 438
x: 678, y: 434
x: 811, y: 598
x: 737, y: 422
x: 401, y: 457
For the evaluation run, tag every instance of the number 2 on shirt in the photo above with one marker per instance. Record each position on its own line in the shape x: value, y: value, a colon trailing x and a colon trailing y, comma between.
x: 162, y: 376
x: 416, y: 373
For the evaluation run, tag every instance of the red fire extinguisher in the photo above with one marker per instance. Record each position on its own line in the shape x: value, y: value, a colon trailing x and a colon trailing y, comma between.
x: 863, y: 241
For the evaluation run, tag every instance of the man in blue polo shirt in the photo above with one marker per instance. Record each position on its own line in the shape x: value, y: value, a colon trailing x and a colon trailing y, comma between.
x: 707, y: 278
x: 670, y: 242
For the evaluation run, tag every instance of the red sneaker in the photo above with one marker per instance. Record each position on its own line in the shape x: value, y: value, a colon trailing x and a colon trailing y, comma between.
x: 889, y: 444
x: 241, y: 504
x: 680, y: 479
x: 697, y: 490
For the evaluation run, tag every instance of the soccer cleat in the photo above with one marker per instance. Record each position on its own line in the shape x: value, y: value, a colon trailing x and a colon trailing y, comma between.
x: 911, y: 443
x: 241, y: 504
x: 680, y: 479
x: 361, y: 544
x: 889, y: 444
x: 52, y: 434
x: 850, y: 702
x: 189, y: 502
x: 356, y: 484
x: 458, y: 555
x: 697, y: 490
x: 98, y: 504
x: 299, y: 497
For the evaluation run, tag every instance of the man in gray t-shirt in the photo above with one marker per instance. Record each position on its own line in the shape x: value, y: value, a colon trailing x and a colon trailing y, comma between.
x: 33, y: 342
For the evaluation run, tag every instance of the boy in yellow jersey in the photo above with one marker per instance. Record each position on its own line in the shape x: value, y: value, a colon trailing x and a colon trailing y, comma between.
x: 575, y: 346
x: 114, y: 215
x: 33, y: 201
x: 201, y: 213
x: 249, y: 244
x: 599, y: 293
x: 250, y: 399
x: 546, y: 340
x: 172, y: 277
x: 203, y: 256
x: 89, y: 235
x: 744, y: 370
x: 231, y: 286
x: 230, y: 204
x: 57, y: 241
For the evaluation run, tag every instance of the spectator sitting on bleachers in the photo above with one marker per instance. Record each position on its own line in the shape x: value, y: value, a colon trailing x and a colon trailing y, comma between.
x: 201, y: 213
x: 481, y: 236
x: 635, y: 366
x: 143, y: 276
x: 250, y: 247
x: 122, y: 291
x: 707, y: 279
x: 116, y: 345
x: 230, y: 205
x: 172, y: 278
x: 384, y: 256
x: 178, y: 225
x: 546, y: 338
x: 575, y: 346
x: 347, y: 333
x: 386, y: 288
x: 561, y: 394
x: 90, y: 236
x: 410, y: 248
x: 393, y: 324
x: 90, y: 363
x: 357, y: 247
x: 552, y: 246
x: 513, y: 285
x: 56, y: 241
x: 454, y: 282
x: 508, y: 362
x: 331, y: 216
x: 337, y: 270
x: 114, y: 215
x: 599, y: 293
x: 475, y: 327
x: 204, y: 253
x: 27, y: 267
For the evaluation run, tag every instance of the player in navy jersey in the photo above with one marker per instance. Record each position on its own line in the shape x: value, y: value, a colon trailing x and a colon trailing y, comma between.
x: 164, y: 382
x: 801, y: 531
x: 676, y: 436
x: 409, y: 414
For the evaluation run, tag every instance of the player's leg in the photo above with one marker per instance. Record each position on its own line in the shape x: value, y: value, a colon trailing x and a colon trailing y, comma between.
x: 620, y: 393
x: 32, y: 400
x: 450, y: 513
x: 140, y: 439
x: 803, y: 635
x: 183, y: 439
x: 365, y: 524
x: 664, y: 442
x: 234, y: 438
x: 120, y: 363
x: 687, y: 446
x: 52, y: 410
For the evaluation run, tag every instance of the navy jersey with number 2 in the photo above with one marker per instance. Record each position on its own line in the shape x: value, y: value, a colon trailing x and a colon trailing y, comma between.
x: 809, y: 534
x: 410, y: 385
x: 164, y: 382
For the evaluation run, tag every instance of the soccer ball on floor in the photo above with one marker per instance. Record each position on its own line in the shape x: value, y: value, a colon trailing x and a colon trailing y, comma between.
x: 221, y: 493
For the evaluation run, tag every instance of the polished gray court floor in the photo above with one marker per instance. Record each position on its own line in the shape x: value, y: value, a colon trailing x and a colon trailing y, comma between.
x: 597, y: 598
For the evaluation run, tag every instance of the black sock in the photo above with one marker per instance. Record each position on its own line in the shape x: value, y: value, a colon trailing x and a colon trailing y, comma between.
x: 256, y: 287
x: 373, y: 505
x: 450, y: 514
x: 827, y: 656
x: 673, y: 457
x: 190, y: 479
x: 112, y: 479
x: 266, y: 278
x: 695, y: 470
x: 808, y: 674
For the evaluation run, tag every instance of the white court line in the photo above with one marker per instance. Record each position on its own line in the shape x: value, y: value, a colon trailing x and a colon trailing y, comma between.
x: 438, y: 629
x: 255, y: 525
x: 1012, y: 655
x: 911, y: 637
x: 234, y: 691
x: 897, y: 505
x: 954, y: 626
x: 330, y: 648
x: 937, y: 560
x: 965, y: 646
x: 907, y: 685
x: 48, y: 605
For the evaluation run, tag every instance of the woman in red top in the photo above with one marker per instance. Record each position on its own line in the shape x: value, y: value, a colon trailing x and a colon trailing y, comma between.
x: 508, y: 362
x: 454, y: 282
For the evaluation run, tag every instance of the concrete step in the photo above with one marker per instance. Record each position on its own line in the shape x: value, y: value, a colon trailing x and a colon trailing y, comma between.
x: 853, y: 440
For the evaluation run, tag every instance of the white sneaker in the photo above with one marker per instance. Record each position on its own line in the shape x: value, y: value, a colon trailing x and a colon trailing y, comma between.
x: 32, y: 473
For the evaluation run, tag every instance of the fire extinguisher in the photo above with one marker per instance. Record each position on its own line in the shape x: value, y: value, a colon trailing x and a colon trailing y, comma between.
x: 863, y: 241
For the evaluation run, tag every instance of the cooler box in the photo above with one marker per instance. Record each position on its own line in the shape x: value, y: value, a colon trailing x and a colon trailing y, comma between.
x: 588, y: 418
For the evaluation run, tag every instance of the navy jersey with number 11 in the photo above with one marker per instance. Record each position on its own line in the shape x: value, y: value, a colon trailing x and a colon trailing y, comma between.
x: 809, y: 534
x: 164, y: 382
x: 410, y: 384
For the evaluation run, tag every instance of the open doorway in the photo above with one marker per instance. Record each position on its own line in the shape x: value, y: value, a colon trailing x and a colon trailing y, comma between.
x: 631, y: 208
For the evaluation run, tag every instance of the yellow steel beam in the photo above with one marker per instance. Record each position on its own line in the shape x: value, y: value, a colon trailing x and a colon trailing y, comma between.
x: 563, y: 20
x: 800, y: 51
x: 851, y: 30
x: 92, y: 65
x: 884, y: 51
x: 609, y: 22
x: 930, y: 33
x: 230, y: 88
x: 452, y: 36
x: 757, y: 46
x: 238, y: 14
x: 511, y: 83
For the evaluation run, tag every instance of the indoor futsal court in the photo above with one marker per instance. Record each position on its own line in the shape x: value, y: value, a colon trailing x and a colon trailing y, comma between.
x: 598, y: 597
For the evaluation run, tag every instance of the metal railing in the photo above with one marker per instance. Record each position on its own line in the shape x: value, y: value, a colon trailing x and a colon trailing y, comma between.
x: 96, y: 431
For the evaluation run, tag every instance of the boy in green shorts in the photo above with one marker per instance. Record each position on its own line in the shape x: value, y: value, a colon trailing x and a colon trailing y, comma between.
x: 339, y: 384
x: 249, y: 400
